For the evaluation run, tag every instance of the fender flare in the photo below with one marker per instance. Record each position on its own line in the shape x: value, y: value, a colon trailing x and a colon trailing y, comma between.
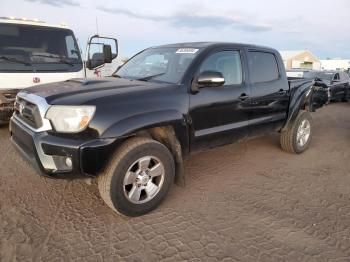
x: 129, y: 126
x: 301, y: 99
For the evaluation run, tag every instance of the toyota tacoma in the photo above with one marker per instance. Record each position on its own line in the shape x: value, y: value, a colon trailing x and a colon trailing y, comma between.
x: 133, y: 129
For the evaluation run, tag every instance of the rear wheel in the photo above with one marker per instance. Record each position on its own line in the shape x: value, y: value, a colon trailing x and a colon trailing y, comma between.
x: 296, y: 139
x: 138, y: 177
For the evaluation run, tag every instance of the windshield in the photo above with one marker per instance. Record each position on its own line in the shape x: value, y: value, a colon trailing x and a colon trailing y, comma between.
x: 167, y: 64
x: 26, y: 47
x: 320, y: 75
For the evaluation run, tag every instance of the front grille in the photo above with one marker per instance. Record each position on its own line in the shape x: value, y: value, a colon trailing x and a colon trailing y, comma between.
x: 5, y: 115
x: 10, y: 96
x: 28, y: 113
x: 6, y: 106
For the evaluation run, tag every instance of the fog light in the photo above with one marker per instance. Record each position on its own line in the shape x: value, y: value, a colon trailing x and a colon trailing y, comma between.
x: 63, y: 163
x: 69, y: 162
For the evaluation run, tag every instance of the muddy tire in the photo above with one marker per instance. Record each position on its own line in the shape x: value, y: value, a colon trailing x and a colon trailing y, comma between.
x: 138, y: 177
x: 297, y: 138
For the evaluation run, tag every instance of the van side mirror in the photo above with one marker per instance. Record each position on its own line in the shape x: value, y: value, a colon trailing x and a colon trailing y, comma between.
x: 101, y: 50
x: 208, y: 79
x: 107, y: 53
x: 96, y: 60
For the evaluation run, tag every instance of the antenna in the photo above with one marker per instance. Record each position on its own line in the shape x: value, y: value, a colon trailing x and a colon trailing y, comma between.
x: 96, y: 26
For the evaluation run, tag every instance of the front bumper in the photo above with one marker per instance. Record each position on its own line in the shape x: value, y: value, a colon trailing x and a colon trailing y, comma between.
x: 47, y: 153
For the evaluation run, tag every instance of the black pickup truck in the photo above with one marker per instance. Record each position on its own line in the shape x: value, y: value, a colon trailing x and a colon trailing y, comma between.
x: 133, y: 129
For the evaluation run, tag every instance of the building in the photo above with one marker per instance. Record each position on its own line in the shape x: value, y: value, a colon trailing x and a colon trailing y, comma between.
x: 300, y: 59
x: 335, y: 64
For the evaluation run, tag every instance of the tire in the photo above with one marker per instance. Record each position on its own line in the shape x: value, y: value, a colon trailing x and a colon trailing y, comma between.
x: 129, y: 158
x: 289, y: 138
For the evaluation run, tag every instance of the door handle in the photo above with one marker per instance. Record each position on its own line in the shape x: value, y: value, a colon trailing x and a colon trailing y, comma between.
x: 243, y: 97
x: 282, y: 92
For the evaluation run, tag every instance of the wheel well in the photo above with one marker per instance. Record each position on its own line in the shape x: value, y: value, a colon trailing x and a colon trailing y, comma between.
x: 167, y: 136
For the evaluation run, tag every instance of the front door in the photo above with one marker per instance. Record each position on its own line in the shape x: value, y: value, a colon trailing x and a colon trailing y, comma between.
x: 218, y: 114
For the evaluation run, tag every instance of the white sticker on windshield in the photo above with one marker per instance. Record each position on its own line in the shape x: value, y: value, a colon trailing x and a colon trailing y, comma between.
x: 187, y: 51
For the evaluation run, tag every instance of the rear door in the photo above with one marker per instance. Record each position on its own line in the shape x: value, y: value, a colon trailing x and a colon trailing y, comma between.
x: 336, y: 86
x: 344, y: 85
x: 218, y: 114
x: 269, y: 92
x: 347, y: 85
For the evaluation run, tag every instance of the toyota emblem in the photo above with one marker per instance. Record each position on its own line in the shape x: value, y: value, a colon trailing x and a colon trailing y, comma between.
x: 36, y: 80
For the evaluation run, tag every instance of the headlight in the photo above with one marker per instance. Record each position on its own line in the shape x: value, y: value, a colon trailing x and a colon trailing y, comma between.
x: 70, y: 119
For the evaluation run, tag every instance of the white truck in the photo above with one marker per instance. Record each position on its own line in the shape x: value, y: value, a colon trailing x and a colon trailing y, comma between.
x: 33, y: 52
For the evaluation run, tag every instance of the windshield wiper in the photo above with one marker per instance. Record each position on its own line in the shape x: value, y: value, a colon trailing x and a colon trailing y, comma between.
x: 146, y: 78
x: 60, y: 59
x: 65, y: 61
x: 15, y: 60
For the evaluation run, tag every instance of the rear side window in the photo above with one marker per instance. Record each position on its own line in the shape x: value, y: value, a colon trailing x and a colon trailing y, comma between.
x: 262, y: 67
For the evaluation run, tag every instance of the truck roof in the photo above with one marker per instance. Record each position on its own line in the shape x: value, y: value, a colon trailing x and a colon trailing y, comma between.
x: 26, y: 21
x: 212, y: 44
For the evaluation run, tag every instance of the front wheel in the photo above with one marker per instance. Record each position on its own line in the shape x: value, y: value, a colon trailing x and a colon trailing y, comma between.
x: 138, y: 177
x: 296, y: 139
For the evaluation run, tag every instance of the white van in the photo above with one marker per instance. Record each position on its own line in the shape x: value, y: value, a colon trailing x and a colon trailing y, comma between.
x: 33, y: 52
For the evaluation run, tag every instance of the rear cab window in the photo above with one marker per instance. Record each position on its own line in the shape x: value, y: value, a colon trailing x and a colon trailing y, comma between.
x: 262, y: 66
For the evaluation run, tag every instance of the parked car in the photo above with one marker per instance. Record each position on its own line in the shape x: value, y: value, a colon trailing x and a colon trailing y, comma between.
x: 297, y: 73
x: 337, y: 82
x: 321, y: 94
x: 132, y: 130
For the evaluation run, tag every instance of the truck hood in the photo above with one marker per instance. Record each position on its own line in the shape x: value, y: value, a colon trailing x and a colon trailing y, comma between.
x: 89, y: 91
x: 122, y: 105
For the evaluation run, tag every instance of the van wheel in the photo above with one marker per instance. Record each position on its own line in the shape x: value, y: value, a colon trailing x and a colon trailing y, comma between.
x: 138, y: 177
x: 296, y: 139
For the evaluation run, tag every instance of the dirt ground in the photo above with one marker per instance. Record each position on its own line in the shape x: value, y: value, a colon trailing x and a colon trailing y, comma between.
x: 244, y: 202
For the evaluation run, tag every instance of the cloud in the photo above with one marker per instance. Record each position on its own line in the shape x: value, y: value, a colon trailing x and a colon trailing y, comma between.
x: 194, y: 20
x: 130, y: 13
x: 57, y: 3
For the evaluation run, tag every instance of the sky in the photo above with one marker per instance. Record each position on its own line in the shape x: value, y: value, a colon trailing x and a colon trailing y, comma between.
x: 323, y: 27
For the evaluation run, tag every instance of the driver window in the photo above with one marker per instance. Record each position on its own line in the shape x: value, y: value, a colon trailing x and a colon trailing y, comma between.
x: 336, y: 76
x: 228, y: 63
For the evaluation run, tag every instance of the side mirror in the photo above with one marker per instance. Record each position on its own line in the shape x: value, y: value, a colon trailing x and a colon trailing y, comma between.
x: 97, y: 59
x: 208, y: 79
x: 101, y: 50
x: 107, y: 53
